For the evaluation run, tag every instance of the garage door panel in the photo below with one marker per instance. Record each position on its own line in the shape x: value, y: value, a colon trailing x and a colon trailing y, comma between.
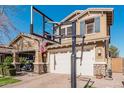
x: 87, y: 63
x: 63, y: 63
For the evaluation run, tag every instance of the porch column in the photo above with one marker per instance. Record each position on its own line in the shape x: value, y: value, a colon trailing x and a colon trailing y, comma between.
x: 14, y: 58
x: 16, y: 61
x: 38, y: 62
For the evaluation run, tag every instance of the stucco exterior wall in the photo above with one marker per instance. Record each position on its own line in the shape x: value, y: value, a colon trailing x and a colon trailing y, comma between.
x: 103, y: 27
x: 100, y: 52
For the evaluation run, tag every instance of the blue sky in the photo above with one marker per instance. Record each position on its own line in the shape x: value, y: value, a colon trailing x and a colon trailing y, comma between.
x: 21, y: 19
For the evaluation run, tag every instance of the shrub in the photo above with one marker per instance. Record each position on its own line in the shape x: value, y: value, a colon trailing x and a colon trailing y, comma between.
x: 7, y: 68
x: 22, y: 60
x: 8, y: 61
x: 2, y: 70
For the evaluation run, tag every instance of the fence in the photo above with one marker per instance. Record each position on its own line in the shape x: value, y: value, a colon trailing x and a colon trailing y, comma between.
x: 118, y: 65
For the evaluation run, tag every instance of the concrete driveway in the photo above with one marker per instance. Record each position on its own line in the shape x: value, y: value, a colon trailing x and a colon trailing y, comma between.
x: 51, y: 80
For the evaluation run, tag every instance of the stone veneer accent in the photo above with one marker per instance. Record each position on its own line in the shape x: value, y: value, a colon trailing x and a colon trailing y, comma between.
x: 38, y: 68
x: 100, y: 69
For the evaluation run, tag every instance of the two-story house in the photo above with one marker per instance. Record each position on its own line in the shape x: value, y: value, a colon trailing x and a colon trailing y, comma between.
x: 95, y: 23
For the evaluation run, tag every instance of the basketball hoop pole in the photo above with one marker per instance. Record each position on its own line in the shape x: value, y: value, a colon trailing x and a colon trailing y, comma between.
x: 73, y: 56
x: 31, y: 24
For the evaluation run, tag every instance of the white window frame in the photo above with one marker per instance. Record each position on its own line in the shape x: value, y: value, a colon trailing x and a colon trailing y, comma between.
x: 64, y: 31
x: 93, y: 28
x: 67, y: 29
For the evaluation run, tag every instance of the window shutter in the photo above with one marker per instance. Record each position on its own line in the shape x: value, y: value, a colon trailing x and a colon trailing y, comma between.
x: 82, y: 28
x: 97, y: 24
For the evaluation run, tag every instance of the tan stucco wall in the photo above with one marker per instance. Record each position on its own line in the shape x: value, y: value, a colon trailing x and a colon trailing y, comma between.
x: 94, y: 37
x: 103, y: 28
x: 100, y: 47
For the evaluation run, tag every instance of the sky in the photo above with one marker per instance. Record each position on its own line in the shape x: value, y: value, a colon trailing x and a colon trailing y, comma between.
x: 20, y: 17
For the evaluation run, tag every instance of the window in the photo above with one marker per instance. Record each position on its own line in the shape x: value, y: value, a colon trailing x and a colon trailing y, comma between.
x: 63, y: 31
x: 69, y: 30
x: 90, y: 28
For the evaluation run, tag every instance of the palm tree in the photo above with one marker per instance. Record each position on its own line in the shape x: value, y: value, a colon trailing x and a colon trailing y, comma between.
x: 114, y: 51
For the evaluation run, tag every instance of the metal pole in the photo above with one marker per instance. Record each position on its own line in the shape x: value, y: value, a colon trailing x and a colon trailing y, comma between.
x: 73, y: 56
x: 31, y: 25
x: 43, y: 25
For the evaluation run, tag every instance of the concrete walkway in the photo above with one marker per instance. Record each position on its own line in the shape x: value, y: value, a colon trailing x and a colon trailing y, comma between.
x: 51, y: 80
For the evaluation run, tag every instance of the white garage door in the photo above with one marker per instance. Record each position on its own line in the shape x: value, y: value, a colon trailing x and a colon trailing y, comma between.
x: 61, y: 63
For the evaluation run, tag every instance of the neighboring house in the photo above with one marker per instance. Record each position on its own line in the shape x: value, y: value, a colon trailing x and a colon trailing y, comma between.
x: 24, y: 46
x: 95, y: 23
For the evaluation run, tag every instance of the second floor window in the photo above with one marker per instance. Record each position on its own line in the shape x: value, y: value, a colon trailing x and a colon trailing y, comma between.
x: 69, y: 30
x: 90, y: 28
x: 63, y: 31
x: 66, y: 30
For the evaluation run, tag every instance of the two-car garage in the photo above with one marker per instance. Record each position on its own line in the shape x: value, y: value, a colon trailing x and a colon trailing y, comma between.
x: 60, y: 62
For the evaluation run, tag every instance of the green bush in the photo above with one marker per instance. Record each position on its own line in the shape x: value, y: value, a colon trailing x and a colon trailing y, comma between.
x: 7, y: 68
x: 2, y: 70
x: 8, y: 71
x: 22, y: 60
x: 8, y: 61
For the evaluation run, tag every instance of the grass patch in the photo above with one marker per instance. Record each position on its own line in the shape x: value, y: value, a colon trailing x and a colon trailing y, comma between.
x: 7, y: 80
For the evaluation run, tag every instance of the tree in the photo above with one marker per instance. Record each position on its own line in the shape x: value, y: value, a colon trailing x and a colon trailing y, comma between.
x: 114, y: 51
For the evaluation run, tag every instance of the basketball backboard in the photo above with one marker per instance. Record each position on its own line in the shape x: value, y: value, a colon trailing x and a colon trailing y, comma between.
x: 44, y: 27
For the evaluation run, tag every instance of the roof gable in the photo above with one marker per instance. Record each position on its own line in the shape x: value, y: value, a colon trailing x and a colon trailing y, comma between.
x: 108, y: 11
x: 25, y: 42
x: 21, y: 35
x: 73, y: 16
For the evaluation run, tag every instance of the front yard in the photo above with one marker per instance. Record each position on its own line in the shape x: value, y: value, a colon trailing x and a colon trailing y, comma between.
x: 7, y: 80
x: 51, y: 80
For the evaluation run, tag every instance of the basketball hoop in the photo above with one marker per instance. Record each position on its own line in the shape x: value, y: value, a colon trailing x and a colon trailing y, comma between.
x: 51, y: 31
